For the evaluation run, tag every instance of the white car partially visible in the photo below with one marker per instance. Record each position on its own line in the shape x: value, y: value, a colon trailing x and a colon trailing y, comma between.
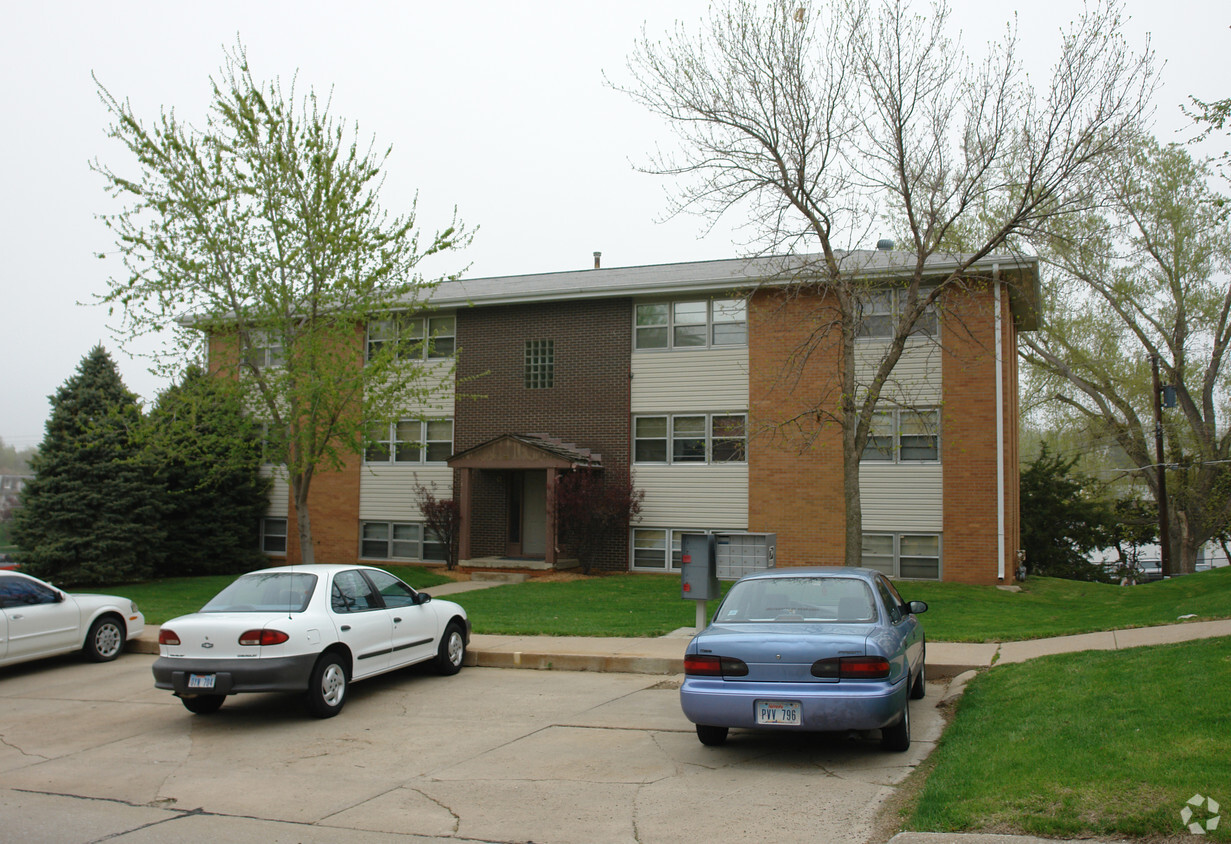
x: 38, y: 620
x: 310, y: 629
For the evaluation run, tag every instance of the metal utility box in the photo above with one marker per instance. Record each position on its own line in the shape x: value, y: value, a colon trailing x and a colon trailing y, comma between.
x: 738, y: 554
x: 698, y: 574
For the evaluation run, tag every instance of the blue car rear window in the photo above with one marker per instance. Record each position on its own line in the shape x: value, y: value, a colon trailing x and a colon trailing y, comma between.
x: 843, y: 600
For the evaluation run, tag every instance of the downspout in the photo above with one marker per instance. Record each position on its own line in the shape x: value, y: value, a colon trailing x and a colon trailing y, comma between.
x: 1000, y: 538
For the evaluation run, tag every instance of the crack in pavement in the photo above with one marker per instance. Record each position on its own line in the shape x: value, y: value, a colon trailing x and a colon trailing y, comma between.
x: 4, y: 741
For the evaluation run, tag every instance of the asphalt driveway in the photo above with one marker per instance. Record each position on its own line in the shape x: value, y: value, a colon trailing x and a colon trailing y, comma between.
x: 93, y: 752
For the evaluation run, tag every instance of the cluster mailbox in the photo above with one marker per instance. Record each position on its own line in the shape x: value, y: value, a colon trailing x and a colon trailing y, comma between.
x: 706, y: 558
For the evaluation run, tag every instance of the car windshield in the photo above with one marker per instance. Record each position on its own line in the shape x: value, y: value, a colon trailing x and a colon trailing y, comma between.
x: 265, y: 592
x: 845, y: 600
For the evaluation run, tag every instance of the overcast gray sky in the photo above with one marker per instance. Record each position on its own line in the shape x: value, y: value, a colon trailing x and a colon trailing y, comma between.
x: 499, y: 108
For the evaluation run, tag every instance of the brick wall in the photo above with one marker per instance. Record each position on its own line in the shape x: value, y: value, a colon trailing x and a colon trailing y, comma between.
x: 589, y: 403
x: 795, y: 473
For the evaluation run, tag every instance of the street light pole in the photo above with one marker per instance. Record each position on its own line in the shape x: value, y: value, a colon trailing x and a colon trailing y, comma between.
x: 1164, y: 523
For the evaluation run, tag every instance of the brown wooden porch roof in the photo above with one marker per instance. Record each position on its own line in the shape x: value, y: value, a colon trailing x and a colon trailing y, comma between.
x: 526, y: 451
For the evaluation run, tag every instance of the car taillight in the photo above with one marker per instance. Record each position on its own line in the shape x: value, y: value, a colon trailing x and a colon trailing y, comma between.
x: 851, y: 668
x: 262, y: 637
x: 167, y: 637
x: 705, y: 665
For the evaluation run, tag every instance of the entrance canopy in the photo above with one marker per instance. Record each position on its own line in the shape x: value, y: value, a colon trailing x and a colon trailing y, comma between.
x: 526, y: 451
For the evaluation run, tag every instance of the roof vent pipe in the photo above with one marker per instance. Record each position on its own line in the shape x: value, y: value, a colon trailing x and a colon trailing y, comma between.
x: 598, y: 258
x: 885, y: 244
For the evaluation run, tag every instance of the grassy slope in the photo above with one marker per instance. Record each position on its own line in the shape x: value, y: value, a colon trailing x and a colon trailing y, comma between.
x: 1093, y: 743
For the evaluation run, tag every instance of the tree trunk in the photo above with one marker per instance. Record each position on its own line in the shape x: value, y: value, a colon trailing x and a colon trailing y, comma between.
x: 853, y: 554
x: 303, y: 519
x: 1184, y: 546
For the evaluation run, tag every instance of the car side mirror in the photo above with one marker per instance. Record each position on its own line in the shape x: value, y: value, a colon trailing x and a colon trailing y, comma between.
x: 422, y: 598
x: 917, y: 607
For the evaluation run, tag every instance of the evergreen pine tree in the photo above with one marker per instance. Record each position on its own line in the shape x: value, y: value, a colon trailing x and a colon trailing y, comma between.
x: 92, y: 513
x: 210, y: 454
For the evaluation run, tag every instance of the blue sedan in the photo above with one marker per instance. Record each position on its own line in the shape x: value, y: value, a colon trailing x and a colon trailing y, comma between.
x: 807, y: 649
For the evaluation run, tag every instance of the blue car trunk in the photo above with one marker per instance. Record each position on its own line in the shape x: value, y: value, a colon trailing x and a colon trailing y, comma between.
x: 783, y: 653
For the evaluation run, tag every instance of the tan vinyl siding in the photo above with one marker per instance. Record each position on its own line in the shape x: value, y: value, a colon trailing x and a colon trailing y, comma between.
x: 279, y: 492
x: 694, y: 495
x: 915, y: 380
x: 688, y: 380
x: 438, y: 373
x: 387, y: 493
x: 901, y: 497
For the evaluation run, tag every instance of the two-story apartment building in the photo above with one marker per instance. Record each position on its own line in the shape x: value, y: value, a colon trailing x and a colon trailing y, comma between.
x: 689, y: 378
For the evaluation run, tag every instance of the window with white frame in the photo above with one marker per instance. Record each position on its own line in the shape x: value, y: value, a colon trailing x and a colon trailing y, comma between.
x: 690, y: 438
x: 410, y: 441
x: 659, y: 549
x: 398, y: 541
x: 265, y: 350
x: 909, y: 555
x: 414, y: 337
x: 904, y: 435
x: 880, y: 310
x: 273, y: 536
x: 690, y: 324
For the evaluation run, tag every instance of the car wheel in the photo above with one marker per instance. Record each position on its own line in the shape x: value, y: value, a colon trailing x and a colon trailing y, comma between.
x: 711, y: 736
x: 452, y: 650
x: 897, y: 736
x: 327, y: 687
x: 203, y: 704
x: 105, y: 640
x: 919, y: 688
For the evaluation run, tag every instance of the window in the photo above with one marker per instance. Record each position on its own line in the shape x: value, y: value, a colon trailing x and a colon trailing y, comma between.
x: 880, y: 310
x: 398, y: 541
x: 692, y: 324
x: 273, y: 536
x: 904, y: 436
x: 540, y: 359
x: 910, y: 555
x: 19, y: 592
x: 265, y: 351
x: 410, y: 441
x: 414, y: 337
x: 689, y: 438
x: 659, y: 549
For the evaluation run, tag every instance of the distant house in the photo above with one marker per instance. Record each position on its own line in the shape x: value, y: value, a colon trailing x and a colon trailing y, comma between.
x: 10, y: 494
x: 673, y: 375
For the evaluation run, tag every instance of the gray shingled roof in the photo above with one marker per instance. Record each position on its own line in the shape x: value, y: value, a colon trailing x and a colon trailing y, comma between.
x: 696, y: 276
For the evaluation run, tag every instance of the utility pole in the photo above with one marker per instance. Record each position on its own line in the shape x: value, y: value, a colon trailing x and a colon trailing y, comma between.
x: 1164, y: 528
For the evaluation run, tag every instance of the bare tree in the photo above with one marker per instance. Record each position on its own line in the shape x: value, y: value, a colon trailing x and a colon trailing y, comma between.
x: 817, y: 124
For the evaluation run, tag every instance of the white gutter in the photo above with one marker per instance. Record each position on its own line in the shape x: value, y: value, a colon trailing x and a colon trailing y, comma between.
x: 1000, y: 537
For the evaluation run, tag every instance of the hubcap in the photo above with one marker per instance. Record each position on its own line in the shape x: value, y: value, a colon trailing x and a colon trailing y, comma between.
x: 333, y: 684
x: 107, y: 639
x: 455, y: 648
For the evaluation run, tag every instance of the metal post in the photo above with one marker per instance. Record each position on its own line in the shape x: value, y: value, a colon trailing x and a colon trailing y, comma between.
x: 701, y: 613
x: 1164, y: 526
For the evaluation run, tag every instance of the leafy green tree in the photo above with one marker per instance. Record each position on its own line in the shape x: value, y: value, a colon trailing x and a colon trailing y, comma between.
x: 815, y: 123
x: 1062, y: 519
x: 92, y: 514
x: 265, y: 229
x: 209, y: 454
x: 1146, y: 276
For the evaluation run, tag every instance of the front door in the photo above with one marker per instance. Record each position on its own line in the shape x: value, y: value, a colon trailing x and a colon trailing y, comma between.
x: 534, y: 513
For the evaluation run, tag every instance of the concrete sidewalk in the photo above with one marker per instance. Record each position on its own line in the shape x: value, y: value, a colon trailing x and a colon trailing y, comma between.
x: 665, y: 654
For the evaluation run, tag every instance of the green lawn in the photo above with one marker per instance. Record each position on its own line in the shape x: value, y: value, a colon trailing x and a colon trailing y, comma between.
x: 1109, y: 743
x: 650, y: 605
x: 160, y: 600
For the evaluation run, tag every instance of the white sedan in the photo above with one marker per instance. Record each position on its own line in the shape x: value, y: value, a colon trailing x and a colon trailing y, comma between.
x: 311, y: 629
x: 38, y: 620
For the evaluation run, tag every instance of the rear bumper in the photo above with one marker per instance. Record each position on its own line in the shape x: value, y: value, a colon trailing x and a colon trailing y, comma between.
x: 823, y: 706
x: 233, y: 676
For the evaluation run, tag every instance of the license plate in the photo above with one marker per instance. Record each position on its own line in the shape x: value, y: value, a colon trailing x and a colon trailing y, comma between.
x: 200, y: 681
x: 780, y: 712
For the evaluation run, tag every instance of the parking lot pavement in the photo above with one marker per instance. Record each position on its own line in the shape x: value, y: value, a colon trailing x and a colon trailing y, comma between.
x: 93, y: 752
